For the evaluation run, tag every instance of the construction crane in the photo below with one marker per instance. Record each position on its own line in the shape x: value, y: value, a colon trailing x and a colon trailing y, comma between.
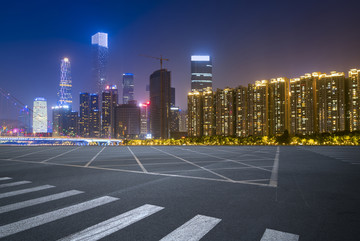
x: 161, y: 59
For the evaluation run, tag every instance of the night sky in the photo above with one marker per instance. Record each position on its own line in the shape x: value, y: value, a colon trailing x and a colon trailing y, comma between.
x: 248, y: 41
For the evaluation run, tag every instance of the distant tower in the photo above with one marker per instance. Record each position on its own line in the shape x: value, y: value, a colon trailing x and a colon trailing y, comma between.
x: 40, y: 116
x: 24, y: 120
x: 201, y: 72
x: 99, y: 43
x: 65, y: 97
x: 84, y: 128
x: 94, y: 121
x: 160, y: 98
x: 128, y: 87
x: 109, y: 102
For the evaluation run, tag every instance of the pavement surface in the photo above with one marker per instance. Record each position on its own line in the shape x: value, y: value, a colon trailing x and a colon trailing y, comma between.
x: 181, y: 193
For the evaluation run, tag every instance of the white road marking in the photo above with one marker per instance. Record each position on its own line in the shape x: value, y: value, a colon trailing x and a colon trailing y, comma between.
x: 41, y: 219
x: 23, y: 191
x: 11, y: 184
x: 5, y: 178
x: 193, y: 230
x: 59, y: 155
x: 36, y: 201
x: 88, y: 164
x: 275, y: 170
x: 137, y: 160
x: 28, y: 154
x: 274, y: 235
x: 114, y: 224
x: 205, y: 169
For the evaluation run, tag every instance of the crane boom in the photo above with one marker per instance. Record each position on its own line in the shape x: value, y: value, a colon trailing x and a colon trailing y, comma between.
x: 161, y: 59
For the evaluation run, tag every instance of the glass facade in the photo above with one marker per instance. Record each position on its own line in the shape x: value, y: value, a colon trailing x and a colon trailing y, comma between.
x: 40, y: 115
x: 201, y: 72
x: 99, y: 43
x: 64, y: 94
x: 128, y: 88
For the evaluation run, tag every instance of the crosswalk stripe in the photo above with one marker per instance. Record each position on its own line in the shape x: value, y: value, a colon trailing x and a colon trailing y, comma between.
x: 193, y: 230
x: 274, y: 235
x: 23, y: 191
x: 32, y: 202
x: 41, y: 219
x: 11, y: 184
x: 4, y: 178
x: 114, y: 224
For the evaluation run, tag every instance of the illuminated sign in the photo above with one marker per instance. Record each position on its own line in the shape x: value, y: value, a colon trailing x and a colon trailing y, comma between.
x: 200, y: 58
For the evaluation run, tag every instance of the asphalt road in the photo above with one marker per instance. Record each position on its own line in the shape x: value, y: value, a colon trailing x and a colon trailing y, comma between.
x: 180, y: 193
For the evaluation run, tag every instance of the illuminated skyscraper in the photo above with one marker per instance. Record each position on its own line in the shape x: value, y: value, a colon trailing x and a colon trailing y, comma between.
x: 84, y: 126
x: 24, y: 120
x: 258, y: 108
x: 64, y: 94
x: 331, y: 102
x: 40, y: 115
x: 174, y: 118
x: 353, y: 100
x: 61, y: 120
x: 201, y: 72
x: 160, y: 98
x: 99, y: 43
x: 144, y: 119
x: 208, y: 112
x: 279, y: 106
x: 94, y: 120
x: 241, y: 111
x: 127, y: 121
x: 128, y: 87
x: 303, y: 104
x: 225, y: 112
x: 195, y: 114
x: 109, y: 102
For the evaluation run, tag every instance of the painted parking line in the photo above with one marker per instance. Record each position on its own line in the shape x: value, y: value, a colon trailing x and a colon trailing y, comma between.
x: 93, y: 159
x: 25, y: 224
x: 274, y: 235
x: 5, y: 178
x: 59, y: 155
x: 193, y: 230
x: 36, y: 201
x: 275, y: 170
x: 23, y: 191
x: 12, y: 184
x: 137, y: 160
x: 114, y: 224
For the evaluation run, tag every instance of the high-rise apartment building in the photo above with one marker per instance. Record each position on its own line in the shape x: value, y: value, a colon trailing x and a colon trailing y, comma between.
x: 241, y: 111
x: 258, y: 108
x: 195, y: 116
x: 201, y: 72
x: 331, y: 102
x: 84, y: 127
x: 353, y: 100
x: 225, y: 112
x: 208, y: 112
x: 303, y: 104
x: 160, y: 98
x: 279, y: 106
x: 40, y: 115
x: 109, y: 102
x: 99, y: 43
x: 128, y: 87
x: 64, y: 94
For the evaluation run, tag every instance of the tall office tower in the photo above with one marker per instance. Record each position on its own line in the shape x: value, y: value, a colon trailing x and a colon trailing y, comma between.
x: 331, y: 102
x: 279, y: 106
x: 40, y: 115
x: 109, y: 102
x: 84, y: 128
x: 303, y: 104
x: 183, y: 121
x: 144, y: 119
x: 195, y: 116
x: 208, y: 112
x: 127, y: 121
x: 241, y: 111
x: 128, y: 87
x: 258, y: 106
x: 94, y: 117
x: 99, y: 43
x: 174, y: 119
x: 172, y: 100
x: 61, y: 120
x: 201, y: 72
x: 24, y: 120
x: 225, y: 112
x: 160, y: 97
x: 73, y: 128
x: 64, y: 94
x: 353, y: 100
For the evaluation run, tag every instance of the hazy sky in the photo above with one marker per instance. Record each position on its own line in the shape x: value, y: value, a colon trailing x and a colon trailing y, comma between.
x: 248, y: 41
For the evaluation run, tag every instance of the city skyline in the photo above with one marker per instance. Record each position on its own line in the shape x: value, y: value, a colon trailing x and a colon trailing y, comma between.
x: 253, y: 51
